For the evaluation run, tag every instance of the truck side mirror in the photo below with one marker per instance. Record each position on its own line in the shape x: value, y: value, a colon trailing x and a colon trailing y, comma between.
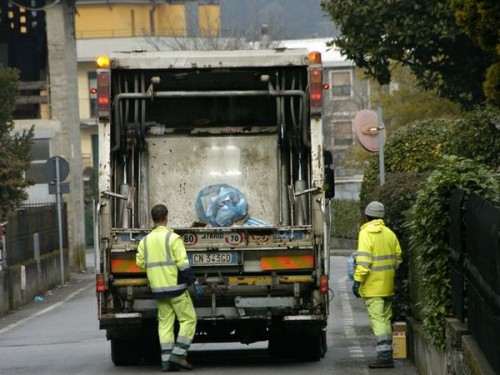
x: 329, y: 183
x: 329, y: 179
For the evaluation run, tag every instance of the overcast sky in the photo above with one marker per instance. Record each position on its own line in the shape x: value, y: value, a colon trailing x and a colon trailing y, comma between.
x: 286, y: 19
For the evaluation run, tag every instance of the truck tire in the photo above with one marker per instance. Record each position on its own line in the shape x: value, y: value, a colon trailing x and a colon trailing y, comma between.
x: 311, y: 347
x: 279, y: 347
x: 125, y: 352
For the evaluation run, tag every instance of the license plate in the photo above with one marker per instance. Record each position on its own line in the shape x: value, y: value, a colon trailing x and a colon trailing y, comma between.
x: 212, y: 259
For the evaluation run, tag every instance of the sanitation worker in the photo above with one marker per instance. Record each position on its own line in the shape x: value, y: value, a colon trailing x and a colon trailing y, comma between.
x: 378, y: 256
x: 163, y: 255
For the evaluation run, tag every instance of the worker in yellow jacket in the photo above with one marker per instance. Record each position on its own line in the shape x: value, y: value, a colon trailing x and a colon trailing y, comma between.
x: 377, y: 258
x: 163, y: 255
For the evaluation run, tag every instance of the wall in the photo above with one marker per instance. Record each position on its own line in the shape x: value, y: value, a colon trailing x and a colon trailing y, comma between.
x: 348, y: 188
x: 124, y: 20
x: 38, y: 279
x: 462, y: 355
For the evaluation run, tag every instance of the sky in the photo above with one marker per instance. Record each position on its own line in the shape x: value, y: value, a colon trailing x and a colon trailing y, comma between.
x: 285, y: 19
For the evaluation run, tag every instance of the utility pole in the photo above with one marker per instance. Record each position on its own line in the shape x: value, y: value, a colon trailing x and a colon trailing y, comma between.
x: 62, y: 62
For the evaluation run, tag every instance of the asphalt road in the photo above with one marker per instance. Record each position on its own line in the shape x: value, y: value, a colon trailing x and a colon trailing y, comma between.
x: 60, y: 335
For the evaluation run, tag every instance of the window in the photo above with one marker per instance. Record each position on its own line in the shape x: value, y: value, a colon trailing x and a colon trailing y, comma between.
x: 340, y: 83
x: 40, y: 153
x: 342, y: 133
x: 92, y: 76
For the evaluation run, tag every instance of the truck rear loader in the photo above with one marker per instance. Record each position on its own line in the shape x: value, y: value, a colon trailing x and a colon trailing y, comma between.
x: 239, y: 136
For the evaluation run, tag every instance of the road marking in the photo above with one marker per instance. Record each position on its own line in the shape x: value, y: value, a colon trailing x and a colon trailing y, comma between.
x: 355, y: 350
x: 44, y: 311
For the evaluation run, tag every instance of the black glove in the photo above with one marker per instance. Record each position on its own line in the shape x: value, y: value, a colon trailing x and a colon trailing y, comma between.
x: 355, y: 289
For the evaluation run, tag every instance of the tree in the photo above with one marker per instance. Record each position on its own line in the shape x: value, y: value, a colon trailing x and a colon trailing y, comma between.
x: 422, y: 35
x: 402, y: 103
x: 479, y: 19
x: 14, y: 149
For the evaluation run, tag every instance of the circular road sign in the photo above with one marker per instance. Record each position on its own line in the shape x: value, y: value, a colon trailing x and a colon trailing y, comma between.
x: 50, y: 168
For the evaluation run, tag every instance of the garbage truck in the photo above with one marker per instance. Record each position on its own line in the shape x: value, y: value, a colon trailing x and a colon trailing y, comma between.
x: 232, y: 143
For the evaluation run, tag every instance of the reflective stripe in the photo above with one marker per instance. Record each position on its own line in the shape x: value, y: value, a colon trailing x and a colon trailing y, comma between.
x: 168, y: 262
x: 384, y: 337
x: 160, y: 264
x: 382, y: 347
x: 166, y: 350
x: 364, y: 264
x: 181, y: 346
x: 384, y: 257
x: 290, y: 262
x: 124, y: 266
x: 184, y: 267
x: 363, y: 254
x: 166, y: 345
x: 145, y: 241
x: 384, y: 268
x: 167, y: 247
x: 183, y: 340
x: 169, y: 288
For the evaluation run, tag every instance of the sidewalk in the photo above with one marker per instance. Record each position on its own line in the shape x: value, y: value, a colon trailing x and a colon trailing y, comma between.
x: 78, y: 282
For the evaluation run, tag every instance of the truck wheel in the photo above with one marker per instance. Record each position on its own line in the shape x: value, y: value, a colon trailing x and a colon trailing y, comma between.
x: 279, y: 347
x: 125, y: 352
x: 311, y: 347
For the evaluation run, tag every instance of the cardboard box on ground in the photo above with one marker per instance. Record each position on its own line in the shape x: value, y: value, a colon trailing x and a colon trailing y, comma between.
x: 399, y: 330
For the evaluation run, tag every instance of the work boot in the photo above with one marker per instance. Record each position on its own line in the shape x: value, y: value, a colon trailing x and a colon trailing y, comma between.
x: 169, y: 367
x: 382, y: 363
x: 181, y: 363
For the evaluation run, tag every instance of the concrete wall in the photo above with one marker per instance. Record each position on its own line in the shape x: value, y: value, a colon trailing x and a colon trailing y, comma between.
x: 19, y: 287
x: 348, y: 188
x: 462, y: 355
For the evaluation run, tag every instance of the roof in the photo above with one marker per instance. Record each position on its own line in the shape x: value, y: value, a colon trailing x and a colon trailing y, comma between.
x: 89, y: 49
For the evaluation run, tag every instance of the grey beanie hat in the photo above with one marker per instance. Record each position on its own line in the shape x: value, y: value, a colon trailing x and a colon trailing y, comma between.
x: 375, y: 209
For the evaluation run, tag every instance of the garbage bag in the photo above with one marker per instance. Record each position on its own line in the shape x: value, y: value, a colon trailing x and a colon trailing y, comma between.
x: 220, y: 205
x: 351, y: 265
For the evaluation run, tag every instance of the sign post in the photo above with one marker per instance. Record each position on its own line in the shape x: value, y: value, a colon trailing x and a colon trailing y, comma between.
x: 57, y: 169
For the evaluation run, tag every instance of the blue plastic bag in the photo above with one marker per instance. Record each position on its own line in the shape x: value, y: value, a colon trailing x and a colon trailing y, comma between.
x: 221, y: 205
x: 351, y: 265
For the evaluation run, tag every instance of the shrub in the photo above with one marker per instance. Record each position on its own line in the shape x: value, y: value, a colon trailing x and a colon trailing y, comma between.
x: 416, y: 148
x: 428, y: 227
x: 346, y: 218
x: 398, y: 195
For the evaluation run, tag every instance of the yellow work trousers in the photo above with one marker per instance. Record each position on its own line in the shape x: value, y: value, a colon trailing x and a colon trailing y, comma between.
x: 169, y: 309
x: 380, y: 313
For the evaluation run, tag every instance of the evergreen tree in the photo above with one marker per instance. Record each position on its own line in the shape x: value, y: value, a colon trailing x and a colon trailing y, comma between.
x: 15, y: 148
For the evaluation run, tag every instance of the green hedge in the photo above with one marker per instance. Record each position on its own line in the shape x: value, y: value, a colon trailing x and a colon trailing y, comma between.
x: 346, y: 218
x: 418, y: 149
x: 428, y: 226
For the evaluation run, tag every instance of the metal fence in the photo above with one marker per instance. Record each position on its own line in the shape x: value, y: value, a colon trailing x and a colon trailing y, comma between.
x: 475, y: 264
x: 33, y: 231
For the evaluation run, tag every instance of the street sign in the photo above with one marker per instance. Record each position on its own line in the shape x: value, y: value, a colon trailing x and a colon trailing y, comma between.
x: 50, y: 168
x: 63, y: 188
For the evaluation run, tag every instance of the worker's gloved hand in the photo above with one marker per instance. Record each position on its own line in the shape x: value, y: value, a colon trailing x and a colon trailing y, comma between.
x: 355, y: 289
x: 198, y: 290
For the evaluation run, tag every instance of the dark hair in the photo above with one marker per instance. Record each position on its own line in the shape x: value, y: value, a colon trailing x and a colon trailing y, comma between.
x: 159, y: 213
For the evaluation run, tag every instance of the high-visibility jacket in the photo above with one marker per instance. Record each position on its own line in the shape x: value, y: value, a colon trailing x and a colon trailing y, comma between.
x: 377, y: 257
x: 163, y: 255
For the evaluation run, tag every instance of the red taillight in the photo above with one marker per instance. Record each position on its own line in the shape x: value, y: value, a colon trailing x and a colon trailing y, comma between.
x: 315, y: 90
x: 100, y: 285
x: 103, y: 93
x: 323, y: 284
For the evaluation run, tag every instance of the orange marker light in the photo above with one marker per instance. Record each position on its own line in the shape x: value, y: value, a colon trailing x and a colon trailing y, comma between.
x: 314, y: 57
x: 102, y: 62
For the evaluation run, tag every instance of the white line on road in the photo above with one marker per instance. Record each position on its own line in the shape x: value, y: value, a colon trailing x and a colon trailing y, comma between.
x: 44, y: 311
x: 355, y: 350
